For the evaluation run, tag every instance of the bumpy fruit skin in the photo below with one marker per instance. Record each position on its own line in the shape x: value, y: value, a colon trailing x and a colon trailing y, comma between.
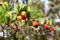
x: 24, y: 17
x: 23, y: 13
x: 51, y: 29
x: 35, y: 24
x: 19, y: 18
x: 46, y: 26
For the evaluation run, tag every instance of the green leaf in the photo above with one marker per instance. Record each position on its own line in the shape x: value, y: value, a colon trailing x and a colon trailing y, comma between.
x: 28, y: 15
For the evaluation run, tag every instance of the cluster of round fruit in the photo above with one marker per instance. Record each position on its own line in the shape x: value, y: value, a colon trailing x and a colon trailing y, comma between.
x: 46, y: 26
x: 22, y: 16
x: 35, y: 23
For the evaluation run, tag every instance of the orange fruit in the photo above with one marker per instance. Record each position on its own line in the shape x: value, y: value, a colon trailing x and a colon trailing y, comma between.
x: 35, y: 24
x: 19, y: 18
x: 23, y: 13
x: 46, y: 26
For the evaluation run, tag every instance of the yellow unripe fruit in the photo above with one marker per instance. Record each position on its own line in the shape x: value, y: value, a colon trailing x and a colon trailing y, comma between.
x: 23, y: 13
